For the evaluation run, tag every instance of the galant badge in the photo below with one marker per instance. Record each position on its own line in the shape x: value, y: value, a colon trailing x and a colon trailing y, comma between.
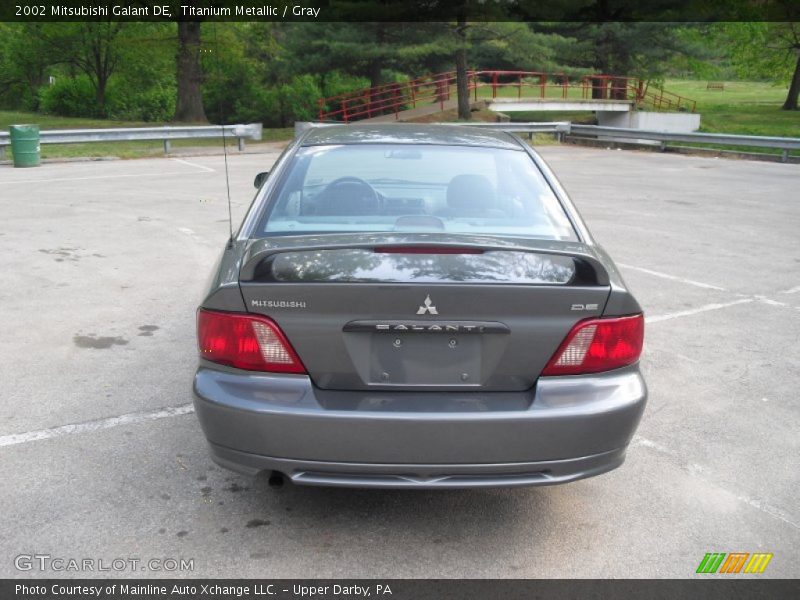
x: 427, y: 307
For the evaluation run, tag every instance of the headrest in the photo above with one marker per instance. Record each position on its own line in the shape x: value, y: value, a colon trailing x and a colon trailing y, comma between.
x: 470, y: 192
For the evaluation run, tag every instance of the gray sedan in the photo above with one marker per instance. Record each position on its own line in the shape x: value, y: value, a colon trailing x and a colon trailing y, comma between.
x: 417, y: 307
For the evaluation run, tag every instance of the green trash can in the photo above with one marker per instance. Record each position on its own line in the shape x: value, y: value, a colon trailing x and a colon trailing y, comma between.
x: 25, y: 145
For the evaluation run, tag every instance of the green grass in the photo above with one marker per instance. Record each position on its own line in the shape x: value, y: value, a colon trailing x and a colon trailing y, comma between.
x: 744, y: 107
x: 52, y: 122
x: 735, y: 92
x: 587, y: 118
x: 134, y: 149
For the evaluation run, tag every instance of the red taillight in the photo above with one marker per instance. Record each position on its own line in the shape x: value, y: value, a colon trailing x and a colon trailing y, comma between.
x: 598, y: 345
x: 427, y: 250
x: 246, y: 342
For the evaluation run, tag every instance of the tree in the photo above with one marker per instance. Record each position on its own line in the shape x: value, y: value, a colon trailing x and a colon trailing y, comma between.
x: 377, y: 51
x: 701, y: 55
x: 620, y: 48
x: 462, y: 84
x: 90, y: 47
x: 189, y: 74
x: 766, y: 51
x: 509, y: 45
x: 24, y: 58
x: 794, y: 87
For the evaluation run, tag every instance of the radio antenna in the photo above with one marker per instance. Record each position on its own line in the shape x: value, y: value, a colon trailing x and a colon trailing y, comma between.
x: 224, y: 140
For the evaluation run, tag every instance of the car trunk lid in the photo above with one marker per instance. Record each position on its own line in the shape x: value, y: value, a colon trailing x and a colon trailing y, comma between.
x: 420, y: 311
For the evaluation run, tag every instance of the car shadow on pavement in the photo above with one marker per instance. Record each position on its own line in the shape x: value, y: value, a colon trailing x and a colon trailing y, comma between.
x: 422, y: 515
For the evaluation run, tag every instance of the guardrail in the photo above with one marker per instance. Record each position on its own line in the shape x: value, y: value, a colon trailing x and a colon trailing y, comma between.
x: 251, y: 131
x: 543, y: 127
x: 560, y: 129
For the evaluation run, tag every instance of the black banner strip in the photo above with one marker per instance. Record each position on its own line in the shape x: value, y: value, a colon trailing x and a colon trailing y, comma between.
x: 400, y: 10
x: 730, y: 587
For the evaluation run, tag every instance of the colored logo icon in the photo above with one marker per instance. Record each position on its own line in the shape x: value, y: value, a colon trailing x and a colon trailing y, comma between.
x: 734, y: 562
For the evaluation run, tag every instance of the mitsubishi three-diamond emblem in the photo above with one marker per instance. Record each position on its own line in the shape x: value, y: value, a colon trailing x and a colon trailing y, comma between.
x: 427, y: 307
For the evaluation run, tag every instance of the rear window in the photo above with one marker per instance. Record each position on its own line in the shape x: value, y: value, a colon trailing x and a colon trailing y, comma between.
x: 424, y: 188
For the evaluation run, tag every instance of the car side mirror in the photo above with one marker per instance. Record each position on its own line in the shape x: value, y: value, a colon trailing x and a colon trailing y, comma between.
x: 260, y: 178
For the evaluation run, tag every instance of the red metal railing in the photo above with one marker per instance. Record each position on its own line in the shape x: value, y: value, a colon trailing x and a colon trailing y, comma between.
x: 439, y: 88
x: 388, y: 98
x: 660, y: 99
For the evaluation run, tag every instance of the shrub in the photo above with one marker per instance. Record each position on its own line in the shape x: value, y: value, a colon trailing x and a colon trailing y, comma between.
x: 75, y: 97
x: 69, y: 97
x: 263, y: 106
x: 298, y: 99
x: 335, y: 83
x: 156, y: 103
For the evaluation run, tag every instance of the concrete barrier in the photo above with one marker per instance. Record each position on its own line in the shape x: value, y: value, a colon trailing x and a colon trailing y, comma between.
x: 672, y: 122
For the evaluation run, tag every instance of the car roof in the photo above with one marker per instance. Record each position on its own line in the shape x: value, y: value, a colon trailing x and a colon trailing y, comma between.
x: 407, y: 133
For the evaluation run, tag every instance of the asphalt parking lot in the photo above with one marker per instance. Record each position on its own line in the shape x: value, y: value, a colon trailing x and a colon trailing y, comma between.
x: 100, y: 457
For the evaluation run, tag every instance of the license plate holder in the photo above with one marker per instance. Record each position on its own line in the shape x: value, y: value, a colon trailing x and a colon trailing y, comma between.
x: 421, y: 358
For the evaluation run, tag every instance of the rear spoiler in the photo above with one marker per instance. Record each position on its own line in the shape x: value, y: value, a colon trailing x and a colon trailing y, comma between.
x: 589, y: 267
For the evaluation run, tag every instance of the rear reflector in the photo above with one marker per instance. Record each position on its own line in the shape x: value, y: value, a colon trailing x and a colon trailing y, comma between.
x: 244, y: 341
x: 598, y: 345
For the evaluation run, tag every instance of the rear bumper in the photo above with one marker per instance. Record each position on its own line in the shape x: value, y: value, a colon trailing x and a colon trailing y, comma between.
x: 567, y: 429
x: 426, y: 476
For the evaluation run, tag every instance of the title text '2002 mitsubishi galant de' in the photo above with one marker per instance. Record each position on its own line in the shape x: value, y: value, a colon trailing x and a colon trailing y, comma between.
x: 417, y: 307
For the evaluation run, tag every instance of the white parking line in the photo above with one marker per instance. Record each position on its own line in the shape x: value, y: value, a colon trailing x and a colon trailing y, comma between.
x: 153, y: 174
x: 200, y: 168
x: 694, y: 311
x: 793, y: 290
x: 698, y: 470
x: 770, y: 301
x: 192, y: 164
x: 699, y: 284
x: 88, y: 426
